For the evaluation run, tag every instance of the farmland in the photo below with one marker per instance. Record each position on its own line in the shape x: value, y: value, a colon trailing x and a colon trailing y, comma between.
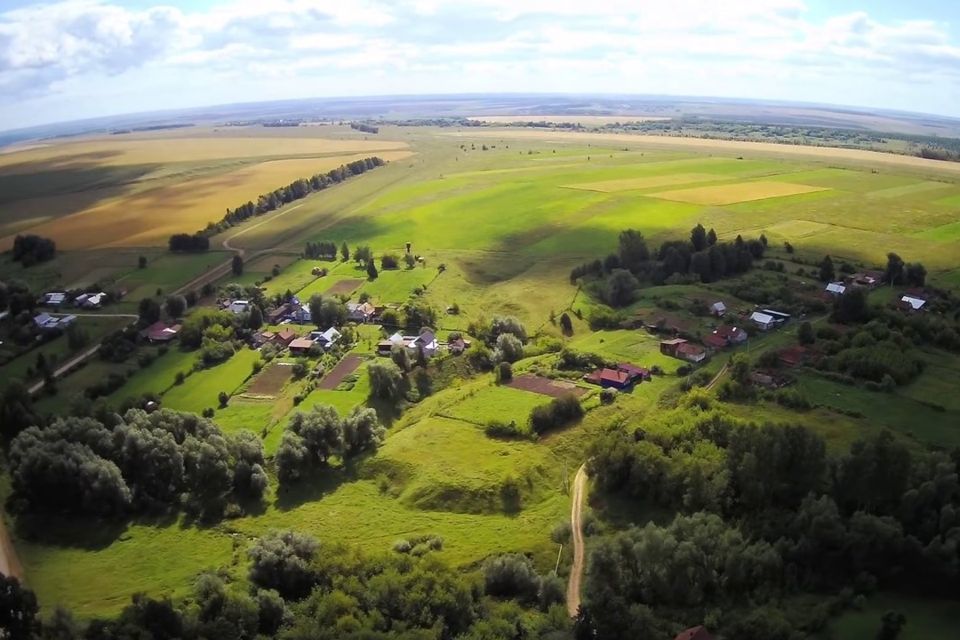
x: 497, y: 219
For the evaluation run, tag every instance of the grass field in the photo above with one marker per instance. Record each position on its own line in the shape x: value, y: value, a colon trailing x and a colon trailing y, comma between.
x: 734, y: 193
x: 926, y: 619
x: 201, y: 389
x: 499, y: 403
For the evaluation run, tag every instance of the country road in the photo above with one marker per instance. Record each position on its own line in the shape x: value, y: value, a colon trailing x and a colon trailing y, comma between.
x: 579, y: 554
x: 9, y: 564
x: 72, y: 362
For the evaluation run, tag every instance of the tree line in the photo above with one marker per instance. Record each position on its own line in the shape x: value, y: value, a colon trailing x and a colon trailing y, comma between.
x: 702, y: 258
x: 764, y: 515
x: 366, y: 128
x: 138, y: 462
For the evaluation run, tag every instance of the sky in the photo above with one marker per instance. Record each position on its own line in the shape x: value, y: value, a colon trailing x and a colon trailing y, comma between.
x: 74, y: 59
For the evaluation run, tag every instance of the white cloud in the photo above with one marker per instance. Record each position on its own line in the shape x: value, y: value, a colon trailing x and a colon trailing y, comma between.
x: 774, y: 48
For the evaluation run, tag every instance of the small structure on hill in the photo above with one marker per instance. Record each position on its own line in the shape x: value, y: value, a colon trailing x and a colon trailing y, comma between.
x: 683, y: 349
x: 426, y: 340
x: 458, y: 346
x: 285, y: 336
x: 718, y: 308
x: 53, y: 298
x: 621, y: 377
x: 300, y: 346
x: 325, y: 339
x: 695, y: 633
x: 238, y: 306
x: 868, y: 279
x: 46, y: 322
x: 911, y: 302
x: 363, y: 312
x: 835, y: 289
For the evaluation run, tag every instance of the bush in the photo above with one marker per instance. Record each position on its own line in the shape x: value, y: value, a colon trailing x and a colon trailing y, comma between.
x: 511, y: 576
x: 497, y: 429
x: 504, y: 372
x: 509, y: 348
x: 281, y: 561
x: 607, y: 396
x: 557, y: 413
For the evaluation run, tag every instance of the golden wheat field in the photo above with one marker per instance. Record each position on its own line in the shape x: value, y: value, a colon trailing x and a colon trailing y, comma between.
x: 122, y: 192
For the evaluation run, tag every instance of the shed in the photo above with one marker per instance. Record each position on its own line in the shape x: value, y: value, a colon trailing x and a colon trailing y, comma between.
x: 301, y: 345
x: 764, y: 321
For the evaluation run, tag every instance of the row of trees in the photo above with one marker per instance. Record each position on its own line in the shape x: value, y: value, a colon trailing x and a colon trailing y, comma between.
x: 325, y: 251
x: 31, y: 249
x: 296, y: 190
x: 138, y: 462
x: 766, y: 515
x: 312, y: 439
x: 366, y: 128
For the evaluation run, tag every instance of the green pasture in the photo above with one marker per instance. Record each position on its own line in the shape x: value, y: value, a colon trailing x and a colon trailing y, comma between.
x: 633, y: 346
x: 200, y: 390
x: 168, y: 272
x: 158, y: 376
x: 496, y: 403
x: 927, y: 619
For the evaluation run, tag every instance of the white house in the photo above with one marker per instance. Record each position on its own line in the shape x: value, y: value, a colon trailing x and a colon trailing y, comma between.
x: 325, y: 339
x: 764, y: 321
x: 239, y: 306
x: 54, y: 298
x: 360, y: 312
x: 836, y: 288
x: 718, y: 308
x: 912, y: 302
x: 301, y: 314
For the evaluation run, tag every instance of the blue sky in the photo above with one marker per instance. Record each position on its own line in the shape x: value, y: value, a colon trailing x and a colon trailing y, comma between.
x: 83, y: 58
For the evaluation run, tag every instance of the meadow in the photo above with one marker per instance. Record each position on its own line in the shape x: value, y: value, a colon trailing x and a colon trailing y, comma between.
x: 499, y: 230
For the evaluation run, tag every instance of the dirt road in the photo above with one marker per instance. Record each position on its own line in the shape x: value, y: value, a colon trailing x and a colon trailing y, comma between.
x: 72, y: 362
x: 9, y: 564
x: 717, y: 377
x: 579, y: 555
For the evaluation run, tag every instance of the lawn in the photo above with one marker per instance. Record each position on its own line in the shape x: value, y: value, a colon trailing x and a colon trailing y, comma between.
x: 201, y: 389
x: 158, y: 376
x: 926, y: 619
x: 496, y: 403
x: 633, y: 346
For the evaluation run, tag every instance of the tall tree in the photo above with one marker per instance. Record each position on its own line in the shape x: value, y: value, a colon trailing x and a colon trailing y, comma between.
x: 894, y: 271
x: 827, y: 272
x: 634, y: 253
x: 698, y: 238
x: 711, y: 237
x: 237, y: 265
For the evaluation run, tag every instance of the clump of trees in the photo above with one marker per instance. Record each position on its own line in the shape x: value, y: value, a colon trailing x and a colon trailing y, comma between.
x: 32, y: 249
x: 189, y: 243
x: 312, y: 439
x: 557, y: 413
x: 366, y: 128
x: 513, y: 576
x: 702, y: 258
x: 322, y: 251
x: 138, y: 462
x: 774, y: 516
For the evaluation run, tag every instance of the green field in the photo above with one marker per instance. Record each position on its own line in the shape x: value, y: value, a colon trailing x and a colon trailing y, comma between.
x: 200, y: 391
x: 926, y: 619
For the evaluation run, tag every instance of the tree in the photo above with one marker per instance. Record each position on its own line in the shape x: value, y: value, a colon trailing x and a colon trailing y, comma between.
x: 788, y: 247
x: 409, y: 260
x: 400, y: 357
x: 620, y: 288
x: 386, y: 380
x: 344, y: 252
x: 891, y: 624
x: 149, y: 311
x: 805, y: 334
x: 711, y: 237
x: 827, y: 273
x: 633, y: 251
x: 698, y: 238
x: 504, y: 372
x: 851, y: 307
x: 894, y: 271
x: 389, y: 261
x: 915, y: 274
x: 236, y: 265
x: 281, y: 561
x: 330, y: 312
x: 175, y: 306
x: 362, y: 432
x: 142, y: 262
x: 223, y: 398
x: 371, y: 270
x: 18, y: 609
x: 255, y: 319
x: 509, y: 348
x: 566, y: 324
x: 700, y: 264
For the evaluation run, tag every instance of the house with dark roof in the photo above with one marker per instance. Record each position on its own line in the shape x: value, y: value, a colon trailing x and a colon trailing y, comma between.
x: 160, y: 332
x: 713, y: 341
x: 300, y: 346
x: 285, y: 336
x: 793, y: 356
x: 695, y: 633
x: 623, y: 376
x: 669, y: 347
x: 733, y: 335
x: 691, y: 352
x: 274, y: 316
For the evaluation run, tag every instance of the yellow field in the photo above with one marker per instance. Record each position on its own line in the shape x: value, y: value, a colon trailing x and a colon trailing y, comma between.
x: 647, y: 182
x: 149, y: 217
x: 123, y: 150
x: 732, y: 193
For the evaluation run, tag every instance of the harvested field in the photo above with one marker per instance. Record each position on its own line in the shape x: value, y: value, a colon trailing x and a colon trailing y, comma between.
x: 733, y: 193
x: 270, y: 381
x: 546, y: 386
x: 344, y: 287
x: 342, y: 369
x: 150, y: 217
x: 560, y: 119
x: 646, y: 182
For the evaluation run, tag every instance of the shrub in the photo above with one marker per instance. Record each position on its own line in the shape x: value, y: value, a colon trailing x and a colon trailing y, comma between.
x: 497, y: 429
x: 557, y: 413
x: 504, y: 372
x: 607, y: 396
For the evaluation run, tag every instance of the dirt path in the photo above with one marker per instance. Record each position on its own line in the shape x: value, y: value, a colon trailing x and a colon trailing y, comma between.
x: 9, y: 563
x: 579, y: 555
x: 717, y: 377
x: 62, y: 369
x: 224, y: 268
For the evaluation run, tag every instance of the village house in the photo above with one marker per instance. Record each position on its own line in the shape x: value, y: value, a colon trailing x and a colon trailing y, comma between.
x: 361, y: 313
x: 458, y: 346
x: 669, y: 347
x: 427, y: 341
x: 300, y: 346
x: 713, y: 341
x: 325, y: 339
x: 160, y: 332
x: 718, y: 308
x: 261, y: 338
x: 239, y: 306
x: 622, y: 377
x: 763, y: 321
x: 683, y: 349
x: 45, y: 322
x: 911, y: 302
x: 733, y: 335
x: 835, y: 289
x: 285, y: 336
x: 301, y: 314
x: 695, y: 633
x: 868, y: 279
x: 53, y: 299
x: 275, y: 316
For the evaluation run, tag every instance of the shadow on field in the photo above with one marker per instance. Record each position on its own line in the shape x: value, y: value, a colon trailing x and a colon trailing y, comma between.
x: 505, y: 260
x: 313, y: 486
x: 86, y: 183
x: 81, y: 532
